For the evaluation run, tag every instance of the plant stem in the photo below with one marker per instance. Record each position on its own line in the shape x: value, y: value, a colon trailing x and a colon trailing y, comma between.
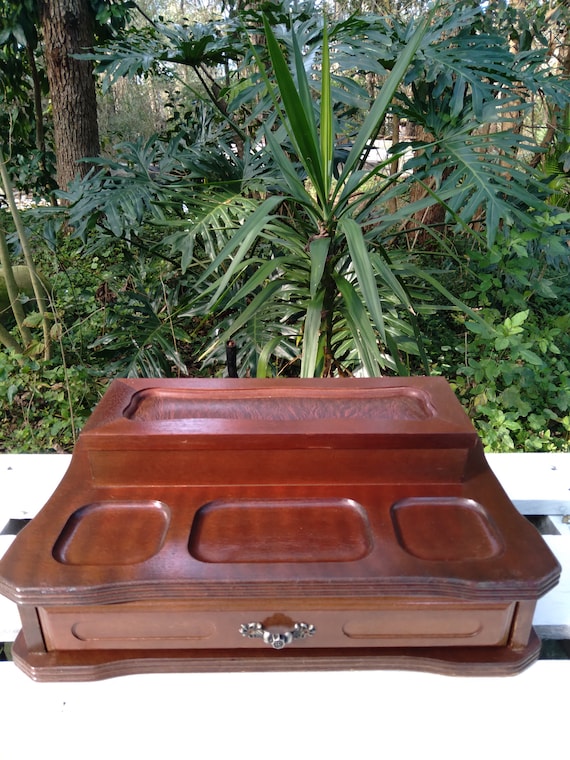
x: 13, y: 293
x: 8, y: 340
x: 328, y: 319
x: 37, y: 285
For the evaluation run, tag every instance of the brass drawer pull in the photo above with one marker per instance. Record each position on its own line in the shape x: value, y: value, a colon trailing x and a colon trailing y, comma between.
x: 277, y: 640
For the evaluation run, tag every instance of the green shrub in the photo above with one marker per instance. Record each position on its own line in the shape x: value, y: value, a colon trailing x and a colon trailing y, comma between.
x: 516, y: 386
x: 44, y: 404
x: 513, y: 372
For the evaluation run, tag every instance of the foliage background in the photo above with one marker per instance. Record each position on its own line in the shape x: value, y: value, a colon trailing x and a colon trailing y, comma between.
x: 133, y: 254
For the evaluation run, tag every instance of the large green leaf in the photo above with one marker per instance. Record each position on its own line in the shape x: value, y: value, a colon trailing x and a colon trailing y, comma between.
x: 265, y: 356
x: 292, y: 179
x: 311, y: 336
x: 381, y: 104
x: 361, y: 329
x: 491, y: 179
x: 318, y: 250
x: 265, y: 295
x: 386, y: 272
x: 326, y: 120
x: 241, y: 242
x: 298, y: 106
x: 212, y: 221
x: 364, y: 271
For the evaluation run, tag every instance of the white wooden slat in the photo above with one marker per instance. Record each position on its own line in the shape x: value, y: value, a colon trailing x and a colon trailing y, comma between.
x: 560, y: 523
x: 9, y: 618
x: 325, y: 716
x: 552, y: 615
x: 537, y: 483
x: 27, y: 481
x: 9, y: 621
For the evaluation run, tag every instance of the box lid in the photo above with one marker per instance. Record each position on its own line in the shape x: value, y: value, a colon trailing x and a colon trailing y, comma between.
x: 201, y: 413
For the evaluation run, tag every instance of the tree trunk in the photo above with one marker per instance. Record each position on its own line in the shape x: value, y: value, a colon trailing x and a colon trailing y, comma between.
x: 67, y: 29
x: 432, y: 216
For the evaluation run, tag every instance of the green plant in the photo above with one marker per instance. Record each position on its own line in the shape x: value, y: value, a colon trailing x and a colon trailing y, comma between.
x: 299, y: 251
x: 332, y: 259
x: 513, y: 373
x: 517, y: 385
x: 141, y: 335
x: 44, y: 404
x: 119, y: 310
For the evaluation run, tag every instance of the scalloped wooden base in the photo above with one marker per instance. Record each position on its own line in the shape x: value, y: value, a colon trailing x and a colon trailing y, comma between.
x: 99, y: 664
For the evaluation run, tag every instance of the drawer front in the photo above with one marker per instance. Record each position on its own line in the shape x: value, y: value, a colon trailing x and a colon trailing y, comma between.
x: 176, y: 626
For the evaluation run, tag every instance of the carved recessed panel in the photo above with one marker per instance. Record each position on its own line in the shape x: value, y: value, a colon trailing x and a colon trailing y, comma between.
x: 159, y: 405
x: 281, y: 530
x: 445, y: 529
x: 113, y: 533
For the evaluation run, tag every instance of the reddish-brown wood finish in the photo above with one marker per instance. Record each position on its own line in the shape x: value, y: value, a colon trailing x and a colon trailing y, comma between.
x: 364, y: 508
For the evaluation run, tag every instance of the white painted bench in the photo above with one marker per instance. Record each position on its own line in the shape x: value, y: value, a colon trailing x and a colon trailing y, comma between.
x: 322, y: 716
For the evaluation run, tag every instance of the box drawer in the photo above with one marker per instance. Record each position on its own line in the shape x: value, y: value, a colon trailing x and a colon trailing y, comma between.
x: 180, y: 626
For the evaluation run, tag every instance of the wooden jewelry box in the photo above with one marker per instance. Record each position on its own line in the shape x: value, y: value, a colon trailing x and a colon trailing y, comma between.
x: 277, y: 525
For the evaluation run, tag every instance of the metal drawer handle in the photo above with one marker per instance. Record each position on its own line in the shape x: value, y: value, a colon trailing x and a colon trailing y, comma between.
x: 277, y: 640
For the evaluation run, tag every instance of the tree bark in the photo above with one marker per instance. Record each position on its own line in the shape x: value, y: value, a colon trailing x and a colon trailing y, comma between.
x: 432, y: 216
x: 68, y: 29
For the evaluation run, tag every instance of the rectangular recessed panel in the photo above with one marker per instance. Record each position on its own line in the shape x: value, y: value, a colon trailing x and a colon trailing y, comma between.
x: 282, y: 530
x: 113, y: 533
x: 156, y: 404
x: 446, y: 529
x: 270, y: 466
x: 432, y: 625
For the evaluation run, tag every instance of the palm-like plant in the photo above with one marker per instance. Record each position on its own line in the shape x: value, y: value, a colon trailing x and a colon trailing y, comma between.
x: 299, y: 249
x: 317, y: 266
x: 316, y: 243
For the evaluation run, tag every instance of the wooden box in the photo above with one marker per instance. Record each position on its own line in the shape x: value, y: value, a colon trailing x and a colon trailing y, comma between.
x: 277, y: 525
